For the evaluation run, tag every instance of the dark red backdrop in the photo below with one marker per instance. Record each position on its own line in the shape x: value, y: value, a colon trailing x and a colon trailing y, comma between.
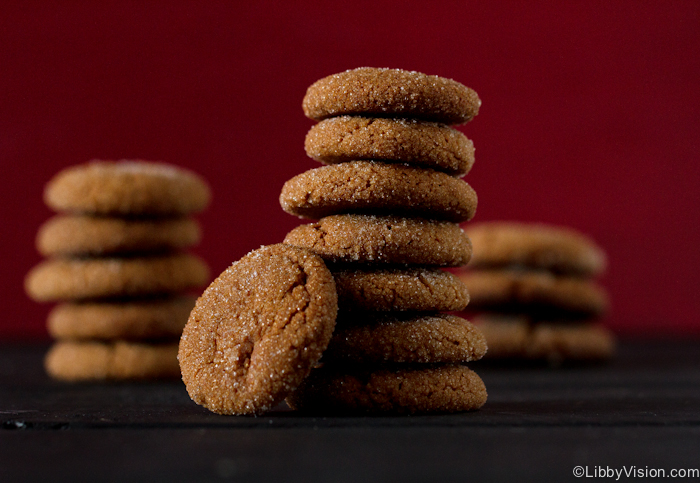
x: 590, y: 118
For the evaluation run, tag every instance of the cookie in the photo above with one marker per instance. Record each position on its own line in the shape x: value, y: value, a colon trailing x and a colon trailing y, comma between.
x: 445, y: 388
x: 534, y: 292
x: 90, y: 361
x: 413, y: 289
x: 127, y: 188
x: 377, y: 240
x: 378, y: 188
x: 72, y: 235
x: 369, y: 338
x: 85, y: 278
x: 257, y: 330
x: 558, y: 249
x: 380, y: 92
x: 419, y: 143
x: 517, y: 337
x: 126, y: 319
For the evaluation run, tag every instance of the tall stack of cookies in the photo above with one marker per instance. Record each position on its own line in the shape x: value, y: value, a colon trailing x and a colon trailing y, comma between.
x: 118, y: 266
x: 533, y: 292
x: 388, y: 203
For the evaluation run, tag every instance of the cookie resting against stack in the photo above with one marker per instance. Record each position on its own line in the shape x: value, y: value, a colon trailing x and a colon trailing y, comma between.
x: 116, y: 262
x: 533, y: 292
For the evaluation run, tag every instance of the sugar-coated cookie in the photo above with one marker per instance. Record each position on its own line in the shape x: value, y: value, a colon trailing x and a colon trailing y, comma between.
x: 127, y: 188
x: 125, y: 319
x: 384, y: 240
x: 85, y: 278
x: 257, y: 330
x: 378, y: 188
x: 411, y: 289
x: 71, y: 235
x: 418, y: 143
x: 402, y: 389
x: 92, y: 361
x: 381, y: 92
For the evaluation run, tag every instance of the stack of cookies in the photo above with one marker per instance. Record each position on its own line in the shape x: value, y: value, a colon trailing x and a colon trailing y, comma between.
x: 388, y: 203
x: 533, y: 292
x: 117, y: 264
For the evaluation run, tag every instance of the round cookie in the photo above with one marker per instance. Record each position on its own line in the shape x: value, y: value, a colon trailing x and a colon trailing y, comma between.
x: 558, y: 249
x: 443, y: 388
x: 378, y: 188
x: 66, y: 235
x: 381, y: 92
x: 127, y: 188
x: 420, y: 143
x: 384, y: 240
x: 90, y: 361
x: 257, y: 330
x: 439, y: 338
x: 535, y: 292
x: 414, y: 289
x: 84, y: 278
x: 127, y: 319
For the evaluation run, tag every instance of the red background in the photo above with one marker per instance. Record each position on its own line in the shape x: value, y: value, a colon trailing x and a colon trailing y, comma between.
x: 590, y: 118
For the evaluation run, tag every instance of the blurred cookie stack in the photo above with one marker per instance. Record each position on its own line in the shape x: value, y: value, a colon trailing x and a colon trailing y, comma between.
x: 116, y: 262
x: 533, y: 288
x: 389, y: 202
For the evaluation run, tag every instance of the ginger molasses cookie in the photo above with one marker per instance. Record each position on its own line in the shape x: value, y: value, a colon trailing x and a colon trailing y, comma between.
x: 412, y: 289
x: 127, y: 188
x: 381, y: 92
x: 257, y: 330
x: 440, y: 338
x: 126, y: 319
x: 558, y: 249
x: 384, y: 240
x: 444, y: 388
x: 419, y: 143
x: 85, y: 361
x: 534, y: 292
x: 366, y: 186
x: 92, y: 235
x: 83, y: 278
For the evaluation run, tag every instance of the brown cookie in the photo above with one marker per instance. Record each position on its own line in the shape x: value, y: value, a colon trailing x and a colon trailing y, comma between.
x: 370, y: 187
x: 444, y: 388
x: 85, y: 361
x: 258, y: 329
x: 534, y: 292
x: 378, y: 92
x: 85, y: 278
x: 420, y: 143
x: 414, y: 289
x: 384, y: 240
x: 66, y: 235
x: 127, y: 319
x: 127, y: 188
x: 369, y: 338
x: 558, y: 249
x: 517, y: 337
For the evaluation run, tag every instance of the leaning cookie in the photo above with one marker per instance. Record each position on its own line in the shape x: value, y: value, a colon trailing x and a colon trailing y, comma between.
x: 71, y: 235
x: 370, y: 187
x: 372, y: 338
x: 134, y: 319
x: 91, y: 361
x: 381, y: 92
x: 84, y: 278
x: 412, y: 289
x: 382, y: 240
x: 419, y: 143
x: 127, y: 188
x: 445, y: 388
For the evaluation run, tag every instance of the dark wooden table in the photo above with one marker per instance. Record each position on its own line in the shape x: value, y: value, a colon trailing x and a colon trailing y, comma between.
x: 640, y: 412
